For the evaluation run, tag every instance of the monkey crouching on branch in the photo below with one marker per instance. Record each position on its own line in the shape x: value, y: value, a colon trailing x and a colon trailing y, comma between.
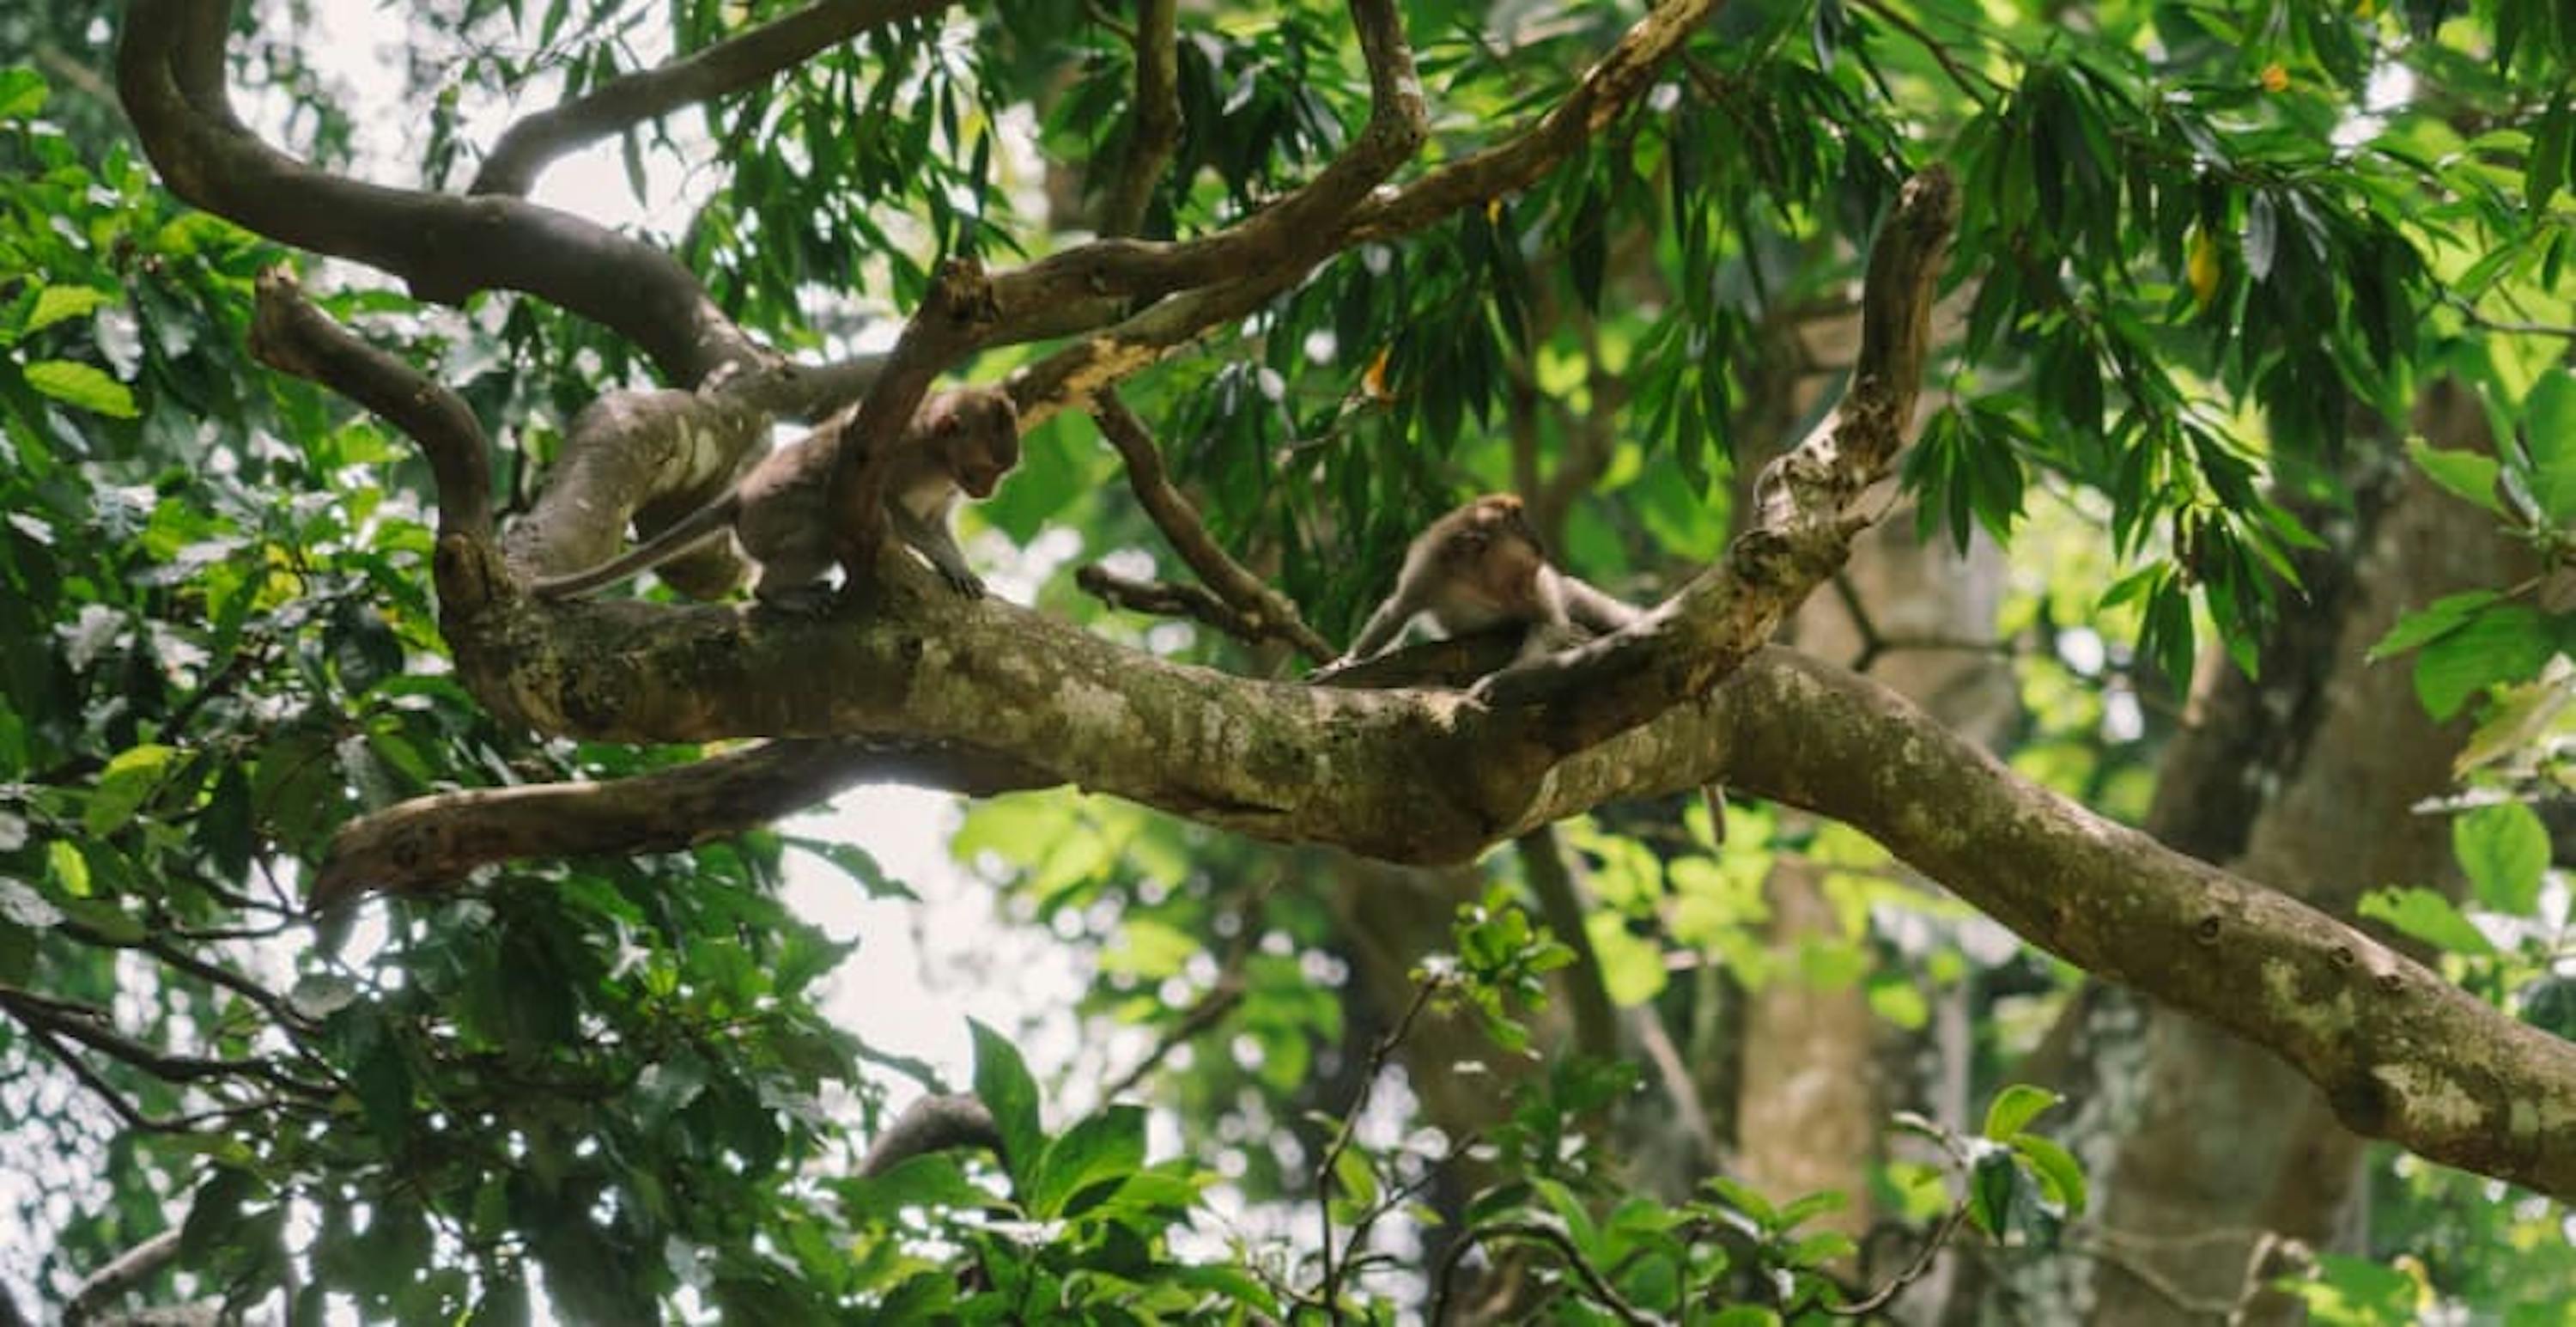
x: 1481, y: 567
x: 958, y: 445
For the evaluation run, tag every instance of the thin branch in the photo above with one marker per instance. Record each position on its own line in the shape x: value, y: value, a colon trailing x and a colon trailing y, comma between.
x: 1968, y: 80
x: 1069, y: 378
x: 1327, y: 1290
x: 1206, y: 1012
x: 1169, y: 599
x: 749, y: 58
x: 1913, y: 1272
x: 1532, y: 1232
x: 92, y: 1028
x: 1264, y: 609
x: 289, y: 334
x: 1156, y: 131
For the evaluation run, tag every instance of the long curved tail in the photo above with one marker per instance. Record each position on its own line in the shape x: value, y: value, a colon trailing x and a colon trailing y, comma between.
x: 692, y: 530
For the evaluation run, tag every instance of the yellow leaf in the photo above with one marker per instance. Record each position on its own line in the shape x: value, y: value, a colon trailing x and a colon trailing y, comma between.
x: 1374, y: 380
x: 2202, y: 267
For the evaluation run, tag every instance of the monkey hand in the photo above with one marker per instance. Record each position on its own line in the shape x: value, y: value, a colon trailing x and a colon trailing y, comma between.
x: 964, y: 582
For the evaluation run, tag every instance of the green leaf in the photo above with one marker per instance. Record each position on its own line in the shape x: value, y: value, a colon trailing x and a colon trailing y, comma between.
x: 123, y: 787
x: 2441, y: 618
x: 1003, y: 1084
x: 56, y: 303
x: 2504, y: 850
x: 22, y: 94
x: 2545, y: 166
x: 2465, y: 474
x: 1106, y: 1148
x: 2059, y: 1174
x: 1992, y: 1181
x: 82, y: 385
x: 2505, y: 643
x: 2549, y: 434
x: 2428, y: 917
x: 2014, y: 1108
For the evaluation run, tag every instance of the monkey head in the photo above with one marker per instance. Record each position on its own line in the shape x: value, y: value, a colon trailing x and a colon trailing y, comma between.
x: 1495, y: 544
x: 977, y: 433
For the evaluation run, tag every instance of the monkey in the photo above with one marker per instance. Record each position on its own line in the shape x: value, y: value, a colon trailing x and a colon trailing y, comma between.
x: 1479, y: 567
x: 959, y: 445
x: 1482, y: 566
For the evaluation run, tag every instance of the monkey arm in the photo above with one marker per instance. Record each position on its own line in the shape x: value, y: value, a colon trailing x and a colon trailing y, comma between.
x: 1591, y: 607
x: 934, y: 540
x: 694, y: 529
x: 1383, y: 625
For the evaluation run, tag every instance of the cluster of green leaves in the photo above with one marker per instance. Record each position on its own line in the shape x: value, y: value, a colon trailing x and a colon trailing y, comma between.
x: 218, y: 649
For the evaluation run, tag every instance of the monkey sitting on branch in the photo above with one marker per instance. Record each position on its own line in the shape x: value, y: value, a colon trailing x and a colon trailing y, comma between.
x: 1479, y: 568
x: 959, y: 445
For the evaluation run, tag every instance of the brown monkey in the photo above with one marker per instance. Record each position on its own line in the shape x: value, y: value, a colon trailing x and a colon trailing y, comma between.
x: 1482, y: 566
x: 960, y: 443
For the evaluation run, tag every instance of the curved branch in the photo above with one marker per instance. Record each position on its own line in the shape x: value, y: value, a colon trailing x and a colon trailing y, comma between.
x: 536, y: 142
x: 447, y: 248
x: 1596, y: 1286
x: 289, y: 334
x: 1170, y: 599
x: 436, y: 840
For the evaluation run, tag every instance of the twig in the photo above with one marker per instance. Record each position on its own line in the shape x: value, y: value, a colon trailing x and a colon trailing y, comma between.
x: 1913, y: 1271
x: 1169, y: 599
x: 1532, y: 1232
x: 1328, y: 1289
x: 1260, y: 608
x: 1959, y: 73
x: 1209, y: 1009
x: 531, y: 144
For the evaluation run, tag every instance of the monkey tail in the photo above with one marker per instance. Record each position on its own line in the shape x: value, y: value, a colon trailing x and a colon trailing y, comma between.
x: 692, y: 530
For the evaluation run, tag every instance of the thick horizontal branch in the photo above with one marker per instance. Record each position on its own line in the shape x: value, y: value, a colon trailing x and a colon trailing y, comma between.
x: 742, y: 61
x: 1423, y: 776
x: 438, y: 840
x: 169, y: 73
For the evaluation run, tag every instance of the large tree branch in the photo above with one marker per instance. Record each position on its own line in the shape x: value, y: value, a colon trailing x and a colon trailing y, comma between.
x: 738, y: 62
x: 169, y: 72
x: 437, y: 840
x: 1419, y: 776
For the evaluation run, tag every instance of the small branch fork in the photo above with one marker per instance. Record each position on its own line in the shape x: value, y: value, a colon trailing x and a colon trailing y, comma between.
x: 1234, y: 600
x: 742, y: 61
